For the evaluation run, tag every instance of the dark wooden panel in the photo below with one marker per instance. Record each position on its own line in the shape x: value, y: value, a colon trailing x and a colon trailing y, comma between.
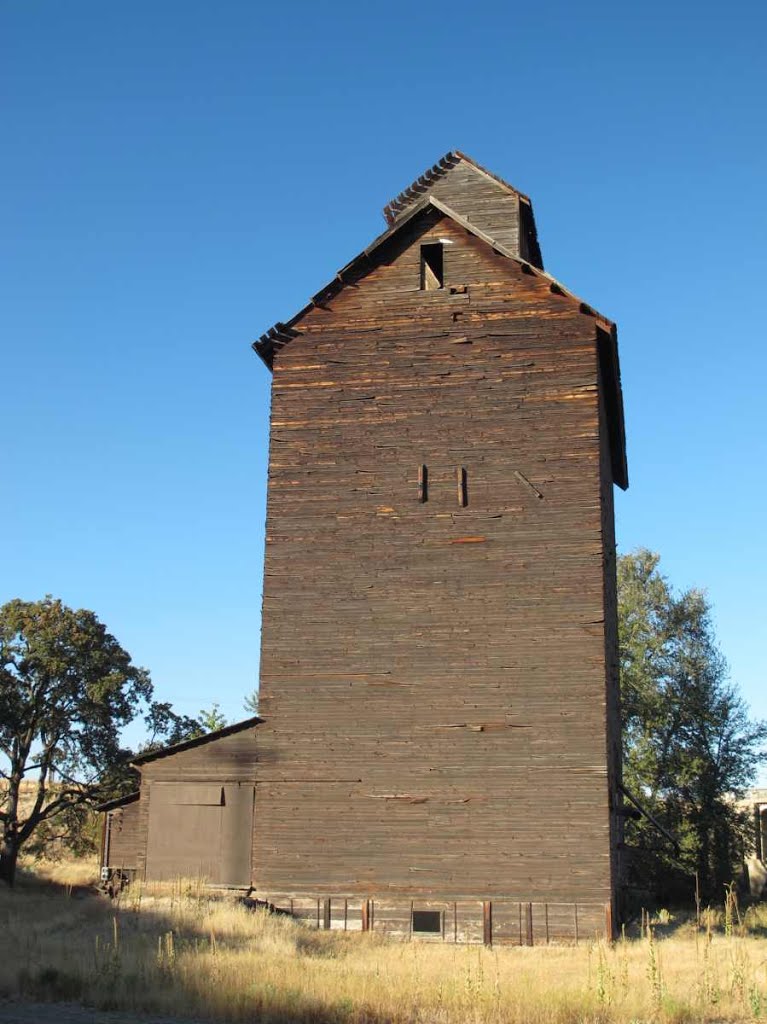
x: 436, y: 678
x: 184, y: 838
x: 123, y: 837
x: 236, y: 835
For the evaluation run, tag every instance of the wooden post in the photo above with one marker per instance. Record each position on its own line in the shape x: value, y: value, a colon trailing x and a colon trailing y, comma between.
x: 487, y: 922
x: 529, y: 924
x: 365, y: 915
x: 326, y: 914
x: 609, y: 933
x: 575, y: 914
x: 105, y: 841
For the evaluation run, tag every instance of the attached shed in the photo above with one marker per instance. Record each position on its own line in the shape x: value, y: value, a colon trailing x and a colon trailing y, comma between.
x: 194, y: 815
x: 120, y: 835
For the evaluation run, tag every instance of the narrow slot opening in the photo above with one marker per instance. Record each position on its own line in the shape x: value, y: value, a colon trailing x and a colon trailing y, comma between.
x: 423, y: 483
x: 427, y: 921
x: 432, y: 264
x: 462, y: 486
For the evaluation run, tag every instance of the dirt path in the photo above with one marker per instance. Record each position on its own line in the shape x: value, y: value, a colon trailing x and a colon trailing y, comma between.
x: 71, y: 1013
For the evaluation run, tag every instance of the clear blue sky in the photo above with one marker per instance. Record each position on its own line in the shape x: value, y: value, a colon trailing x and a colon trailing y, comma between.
x: 178, y: 175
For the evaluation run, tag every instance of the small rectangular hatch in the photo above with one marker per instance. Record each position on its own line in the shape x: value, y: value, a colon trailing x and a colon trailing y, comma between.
x: 429, y: 921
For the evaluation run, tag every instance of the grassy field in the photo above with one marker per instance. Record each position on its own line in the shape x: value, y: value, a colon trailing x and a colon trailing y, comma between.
x: 175, y: 950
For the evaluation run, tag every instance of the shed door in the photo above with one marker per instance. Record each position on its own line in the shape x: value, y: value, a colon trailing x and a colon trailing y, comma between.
x: 237, y: 834
x: 200, y: 830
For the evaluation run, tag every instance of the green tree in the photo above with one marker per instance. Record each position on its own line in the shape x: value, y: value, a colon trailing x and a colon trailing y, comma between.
x: 251, y: 703
x: 211, y: 719
x: 67, y: 689
x: 689, y: 743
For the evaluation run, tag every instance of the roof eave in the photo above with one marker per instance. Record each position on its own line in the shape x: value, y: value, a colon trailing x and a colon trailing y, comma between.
x: 119, y: 801
x: 416, y: 189
x: 281, y: 333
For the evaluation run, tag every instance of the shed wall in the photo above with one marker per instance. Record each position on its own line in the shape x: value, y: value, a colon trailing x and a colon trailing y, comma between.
x: 123, y: 839
x: 167, y: 833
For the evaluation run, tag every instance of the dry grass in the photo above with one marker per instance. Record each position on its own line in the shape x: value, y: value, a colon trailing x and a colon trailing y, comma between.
x: 69, y: 873
x: 178, y: 951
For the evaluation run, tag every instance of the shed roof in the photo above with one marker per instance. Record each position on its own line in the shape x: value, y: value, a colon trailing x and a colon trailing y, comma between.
x: 119, y: 801
x: 198, y: 741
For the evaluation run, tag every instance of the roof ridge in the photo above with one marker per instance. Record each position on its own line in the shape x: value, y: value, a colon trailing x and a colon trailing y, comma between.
x: 423, y: 182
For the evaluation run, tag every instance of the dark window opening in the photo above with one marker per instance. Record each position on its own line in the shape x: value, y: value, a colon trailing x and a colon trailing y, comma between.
x: 528, y: 241
x: 432, y: 273
x: 427, y: 921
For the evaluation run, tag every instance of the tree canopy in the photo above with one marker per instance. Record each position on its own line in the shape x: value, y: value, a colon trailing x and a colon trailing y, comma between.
x: 67, y: 689
x: 690, y: 746
x: 211, y: 719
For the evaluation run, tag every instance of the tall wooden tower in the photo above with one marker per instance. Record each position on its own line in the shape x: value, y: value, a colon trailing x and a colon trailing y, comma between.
x: 438, y: 673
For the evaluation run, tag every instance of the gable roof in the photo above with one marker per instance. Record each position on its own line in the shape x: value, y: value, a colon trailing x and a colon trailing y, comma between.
x: 273, y: 340
x: 425, y: 181
x: 481, y: 197
x: 198, y: 741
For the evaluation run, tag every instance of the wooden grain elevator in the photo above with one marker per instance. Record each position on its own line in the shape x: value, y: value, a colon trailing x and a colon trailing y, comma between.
x: 440, y: 745
x: 438, y: 748
x: 438, y: 667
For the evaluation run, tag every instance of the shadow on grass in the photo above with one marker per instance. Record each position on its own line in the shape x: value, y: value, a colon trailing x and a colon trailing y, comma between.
x: 749, y: 919
x: 73, y: 944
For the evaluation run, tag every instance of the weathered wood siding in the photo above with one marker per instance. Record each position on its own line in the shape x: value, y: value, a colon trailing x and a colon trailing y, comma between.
x: 123, y: 840
x: 433, y: 677
x: 613, y: 735
x: 491, y: 206
x: 227, y: 760
x: 499, y: 922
